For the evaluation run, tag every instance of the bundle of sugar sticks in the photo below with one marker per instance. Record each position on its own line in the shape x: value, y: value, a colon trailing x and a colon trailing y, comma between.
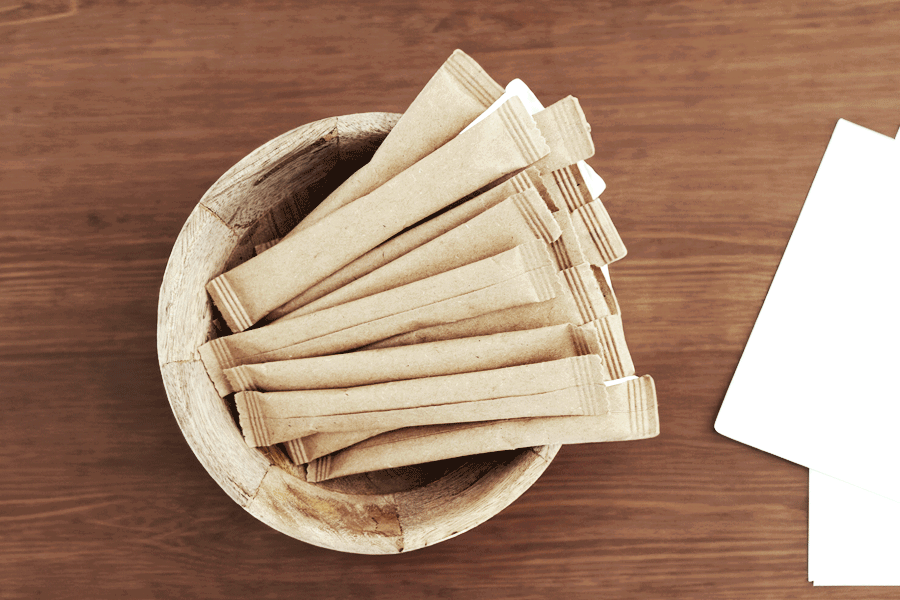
x: 449, y: 299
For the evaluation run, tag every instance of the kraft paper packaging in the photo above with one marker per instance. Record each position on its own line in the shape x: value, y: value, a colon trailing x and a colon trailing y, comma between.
x: 531, y: 287
x: 457, y: 93
x: 306, y: 449
x: 578, y: 299
x: 569, y: 386
x: 566, y: 251
x: 408, y: 362
x: 567, y: 133
x: 448, y: 357
x: 598, y: 236
x: 506, y: 141
x: 522, y: 275
x: 632, y: 415
x: 411, y: 239
x: 567, y: 188
x: 562, y: 124
x: 582, y: 296
x: 613, y: 347
x: 517, y: 220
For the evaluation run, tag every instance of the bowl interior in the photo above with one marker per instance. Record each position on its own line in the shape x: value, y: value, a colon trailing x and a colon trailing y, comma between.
x: 259, y: 200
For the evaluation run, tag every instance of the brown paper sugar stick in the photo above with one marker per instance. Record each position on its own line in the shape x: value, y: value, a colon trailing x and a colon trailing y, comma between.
x: 317, y: 337
x: 308, y: 448
x: 599, y: 239
x: 534, y: 286
x: 455, y: 282
x: 613, y: 347
x: 372, y: 315
x: 567, y: 188
x: 569, y: 386
x: 517, y: 220
x: 612, y: 335
x: 457, y: 93
x: 578, y: 299
x: 447, y: 357
x: 504, y: 142
x: 567, y: 132
x: 266, y: 430
x: 531, y: 287
x: 564, y: 307
x: 449, y: 284
x: 568, y: 135
x: 584, y: 341
x: 391, y: 364
x: 633, y: 415
x: 566, y: 251
x: 411, y: 239
x: 305, y: 449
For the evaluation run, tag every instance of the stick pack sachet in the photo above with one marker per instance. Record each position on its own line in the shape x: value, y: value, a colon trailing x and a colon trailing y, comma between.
x: 566, y: 251
x: 578, y: 299
x: 448, y: 357
x: 457, y: 93
x: 409, y: 362
x: 581, y: 296
x: 412, y: 239
x: 599, y: 239
x: 632, y: 415
x: 522, y: 275
x: 567, y: 188
x: 517, y: 220
x: 569, y: 386
x: 506, y: 141
x: 567, y: 133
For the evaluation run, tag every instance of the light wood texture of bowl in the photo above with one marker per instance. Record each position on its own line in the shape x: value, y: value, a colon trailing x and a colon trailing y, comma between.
x: 258, y: 199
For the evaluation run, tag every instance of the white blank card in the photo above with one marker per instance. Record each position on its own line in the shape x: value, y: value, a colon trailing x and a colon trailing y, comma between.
x: 854, y: 535
x: 817, y: 383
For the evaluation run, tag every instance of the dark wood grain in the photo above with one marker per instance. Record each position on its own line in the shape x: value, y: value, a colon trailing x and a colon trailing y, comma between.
x: 710, y: 120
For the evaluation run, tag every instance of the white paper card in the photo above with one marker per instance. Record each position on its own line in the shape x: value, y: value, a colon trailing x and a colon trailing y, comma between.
x: 854, y: 535
x: 815, y: 384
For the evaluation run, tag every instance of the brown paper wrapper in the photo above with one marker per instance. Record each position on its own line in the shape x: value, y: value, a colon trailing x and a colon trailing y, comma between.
x: 305, y: 449
x: 366, y: 367
x: 613, y: 347
x: 457, y: 93
x: 517, y: 220
x: 409, y: 240
x: 504, y: 142
x: 633, y: 415
x: 597, y: 307
x: 567, y: 188
x: 522, y: 275
x: 599, y: 239
x: 566, y: 250
x: 578, y: 299
x: 569, y: 386
x: 408, y: 362
x: 567, y: 132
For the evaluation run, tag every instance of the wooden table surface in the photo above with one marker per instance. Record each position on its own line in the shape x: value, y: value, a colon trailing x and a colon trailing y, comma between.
x: 710, y: 120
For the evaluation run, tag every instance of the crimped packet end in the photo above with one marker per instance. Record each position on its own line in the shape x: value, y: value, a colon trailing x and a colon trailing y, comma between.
x: 215, y: 363
x: 251, y: 418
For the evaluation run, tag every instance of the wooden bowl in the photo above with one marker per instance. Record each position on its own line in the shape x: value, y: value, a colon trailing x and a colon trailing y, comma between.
x: 260, y: 198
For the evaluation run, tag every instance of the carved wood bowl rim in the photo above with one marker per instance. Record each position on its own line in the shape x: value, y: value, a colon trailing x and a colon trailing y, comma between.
x: 262, y: 481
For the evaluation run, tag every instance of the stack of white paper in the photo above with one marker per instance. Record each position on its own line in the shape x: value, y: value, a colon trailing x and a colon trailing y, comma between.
x: 815, y: 383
